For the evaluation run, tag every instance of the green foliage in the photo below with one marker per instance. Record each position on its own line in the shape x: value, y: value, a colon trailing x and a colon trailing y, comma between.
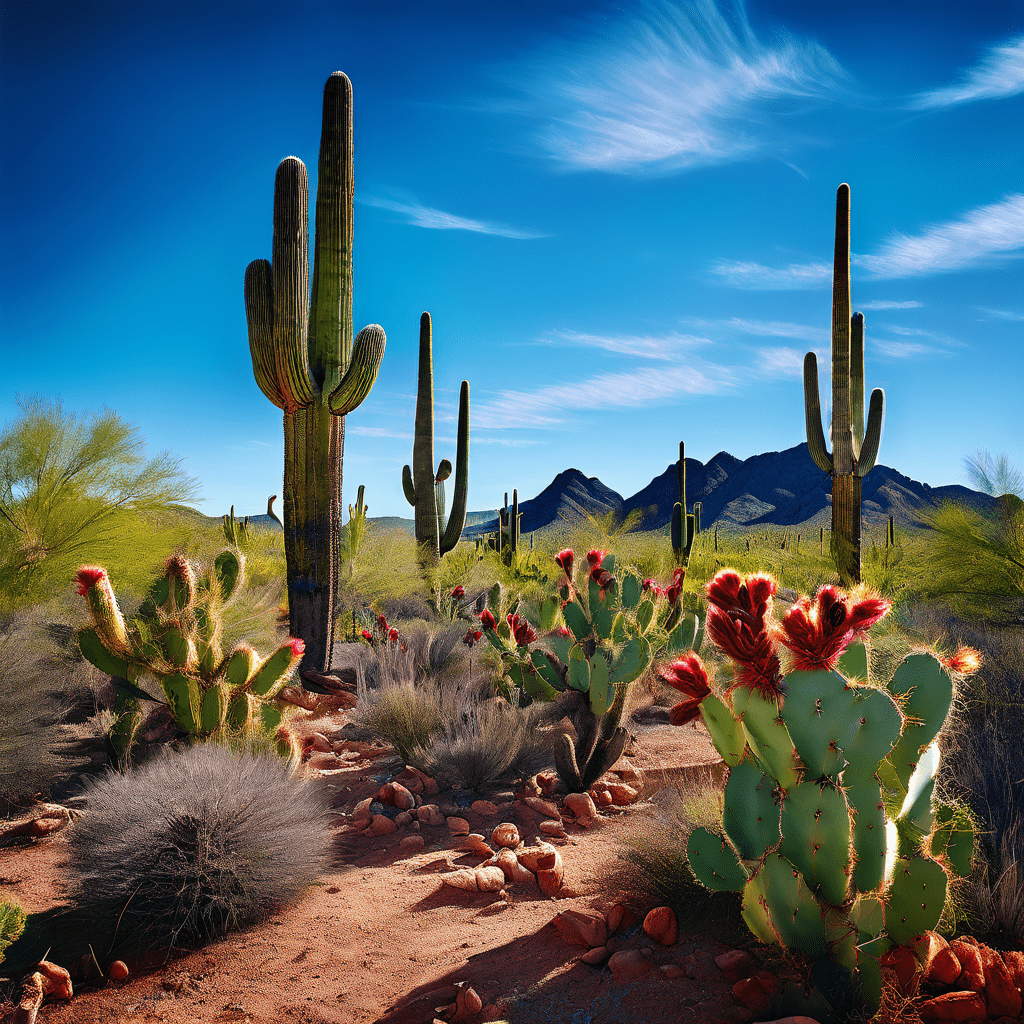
x: 12, y: 923
x: 73, y: 488
x: 355, y: 532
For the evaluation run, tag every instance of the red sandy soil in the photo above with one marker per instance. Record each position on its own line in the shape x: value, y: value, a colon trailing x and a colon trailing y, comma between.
x: 381, y: 939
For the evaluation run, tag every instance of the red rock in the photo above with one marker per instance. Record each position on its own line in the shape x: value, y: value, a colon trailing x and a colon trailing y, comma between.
x: 484, y: 808
x: 749, y: 993
x: 701, y: 967
x: 401, y: 797
x: 972, y: 975
x: 768, y: 982
x: 411, y: 844
x: 619, y: 917
x: 412, y: 782
x: 318, y: 741
x: 552, y: 828
x: 582, y: 927
x: 662, y: 926
x: 580, y: 804
x: 546, y: 782
x: 902, y: 962
x: 627, y: 965
x: 622, y: 794
x: 1001, y: 995
x: 549, y: 880
x: 381, y: 825
x: 323, y: 762
x: 56, y: 980
x: 671, y: 970
x: 964, y: 1007
x: 603, y: 798
x: 926, y: 946
x: 458, y: 826
x: 545, y: 808
x: 596, y: 956
x: 735, y: 965
x: 1014, y: 960
x: 944, y: 968
x: 117, y: 971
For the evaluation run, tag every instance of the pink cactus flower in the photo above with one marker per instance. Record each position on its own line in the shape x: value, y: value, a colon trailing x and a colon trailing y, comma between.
x: 523, y: 633
x: 88, y: 576
x: 596, y: 557
x: 298, y: 646
x: 487, y: 620
x: 562, y: 631
x: 564, y: 560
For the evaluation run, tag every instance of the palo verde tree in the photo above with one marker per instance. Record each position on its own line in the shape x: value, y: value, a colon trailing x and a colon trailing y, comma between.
x: 306, y: 362
x: 68, y: 483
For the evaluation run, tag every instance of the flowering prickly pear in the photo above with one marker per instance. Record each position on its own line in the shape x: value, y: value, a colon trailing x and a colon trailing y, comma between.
x: 830, y: 802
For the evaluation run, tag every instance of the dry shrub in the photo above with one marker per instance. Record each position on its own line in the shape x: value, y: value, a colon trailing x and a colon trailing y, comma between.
x: 195, y: 845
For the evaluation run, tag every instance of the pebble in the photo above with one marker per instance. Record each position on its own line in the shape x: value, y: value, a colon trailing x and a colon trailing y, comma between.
x: 458, y: 826
x: 490, y: 879
x: 735, y: 965
x: 661, y: 925
x: 622, y: 794
x: 381, y: 825
x: 506, y: 834
x: 580, y: 804
x: 402, y: 818
x: 552, y: 828
x: 627, y: 965
x: 596, y: 956
x: 411, y: 844
x: 619, y: 916
x: 484, y: 808
x: 582, y: 927
x: 542, y: 807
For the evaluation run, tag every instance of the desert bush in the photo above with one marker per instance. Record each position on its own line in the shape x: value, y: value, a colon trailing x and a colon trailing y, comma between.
x: 485, y: 746
x: 195, y: 845
x: 654, y: 851
x: 40, y: 692
x: 12, y: 923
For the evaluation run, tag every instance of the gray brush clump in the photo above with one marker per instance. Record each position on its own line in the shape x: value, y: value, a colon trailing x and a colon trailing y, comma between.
x: 194, y: 845
x: 485, y: 746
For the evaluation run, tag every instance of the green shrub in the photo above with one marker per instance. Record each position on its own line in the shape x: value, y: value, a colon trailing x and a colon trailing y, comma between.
x: 12, y: 923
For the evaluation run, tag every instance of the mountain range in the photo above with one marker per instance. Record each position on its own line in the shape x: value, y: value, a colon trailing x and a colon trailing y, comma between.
x: 774, y: 489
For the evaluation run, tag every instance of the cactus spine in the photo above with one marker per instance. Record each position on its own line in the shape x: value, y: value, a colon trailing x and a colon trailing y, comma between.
x: 424, y: 489
x: 854, y: 450
x: 306, y: 362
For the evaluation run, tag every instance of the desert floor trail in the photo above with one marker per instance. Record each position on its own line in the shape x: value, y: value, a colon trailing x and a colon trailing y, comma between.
x: 381, y: 939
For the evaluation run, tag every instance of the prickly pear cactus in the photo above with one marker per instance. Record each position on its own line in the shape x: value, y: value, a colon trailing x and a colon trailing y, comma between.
x: 602, y: 633
x: 833, y: 834
x: 175, y: 637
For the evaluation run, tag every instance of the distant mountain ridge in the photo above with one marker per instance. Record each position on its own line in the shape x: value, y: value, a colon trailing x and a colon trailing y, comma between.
x: 774, y: 489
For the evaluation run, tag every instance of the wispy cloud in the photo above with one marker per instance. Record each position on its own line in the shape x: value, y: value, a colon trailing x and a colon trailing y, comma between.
x: 508, y: 441
x: 426, y: 217
x: 906, y: 350
x: 778, y: 329
x: 377, y: 432
x: 999, y: 74
x: 756, y: 276
x: 663, y: 347
x: 888, y: 304
x: 781, y: 362
x: 682, y: 86
x: 552, y: 405
x: 1002, y: 314
x: 980, y: 236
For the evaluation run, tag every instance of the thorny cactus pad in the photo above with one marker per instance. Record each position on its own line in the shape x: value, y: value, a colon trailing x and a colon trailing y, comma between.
x: 833, y: 834
x: 175, y: 637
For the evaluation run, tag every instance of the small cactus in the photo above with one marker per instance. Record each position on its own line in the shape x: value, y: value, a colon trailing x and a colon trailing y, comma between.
x: 175, y: 637
x: 237, y: 530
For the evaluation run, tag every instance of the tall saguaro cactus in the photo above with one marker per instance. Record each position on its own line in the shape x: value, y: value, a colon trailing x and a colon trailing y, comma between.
x: 424, y: 489
x: 854, y: 450
x: 306, y: 362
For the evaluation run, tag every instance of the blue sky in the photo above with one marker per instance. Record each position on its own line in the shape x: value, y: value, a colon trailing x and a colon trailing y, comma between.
x: 620, y: 216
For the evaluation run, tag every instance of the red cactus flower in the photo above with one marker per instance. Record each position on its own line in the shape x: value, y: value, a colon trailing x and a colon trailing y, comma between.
x: 393, y: 635
x: 964, y: 661
x: 564, y: 560
x: 404, y: 648
x: 487, y: 620
x: 672, y: 592
x: 650, y: 585
x: 596, y: 557
x: 562, y: 631
x: 382, y: 623
x: 688, y: 675
x: 459, y: 592
x: 817, y: 630
x: 298, y: 646
x: 88, y: 576
x: 522, y: 631
x: 738, y: 613
x: 472, y: 637
x: 367, y: 635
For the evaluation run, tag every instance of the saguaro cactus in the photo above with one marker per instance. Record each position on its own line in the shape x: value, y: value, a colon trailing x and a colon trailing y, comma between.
x: 424, y: 489
x: 306, y: 363
x: 683, y: 523
x: 853, y: 450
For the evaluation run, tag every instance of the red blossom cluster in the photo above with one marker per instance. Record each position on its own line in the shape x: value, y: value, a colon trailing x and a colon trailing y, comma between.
x: 739, y: 610
x: 817, y: 630
x: 523, y: 633
x: 459, y: 592
x: 298, y: 646
x: 564, y: 561
x: 386, y: 633
x: 487, y: 620
x: 686, y: 674
x: 672, y: 591
x: 472, y: 637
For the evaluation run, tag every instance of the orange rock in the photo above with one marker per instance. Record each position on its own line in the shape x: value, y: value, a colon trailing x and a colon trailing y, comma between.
x: 662, y: 926
x: 545, y: 808
x: 582, y: 927
x: 458, y: 826
x: 622, y: 794
x: 552, y: 828
x: 506, y: 835
x: 1001, y: 995
x: 964, y: 1007
x: 1014, y: 960
x: 627, y: 964
x: 944, y: 968
x: 117, y: 971
x: 550, y: 879
x: 382, y: 825
x: 596, y: 956
x: 580, y: 804
x: 56, y: 980
x: 603, y: 798
x: 735, y: 965
x: 973, y: 973
x: 619, y: 916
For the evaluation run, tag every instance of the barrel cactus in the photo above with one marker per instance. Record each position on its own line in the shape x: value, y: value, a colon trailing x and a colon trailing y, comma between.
x: 832, y: 831
x: 175, y: 637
